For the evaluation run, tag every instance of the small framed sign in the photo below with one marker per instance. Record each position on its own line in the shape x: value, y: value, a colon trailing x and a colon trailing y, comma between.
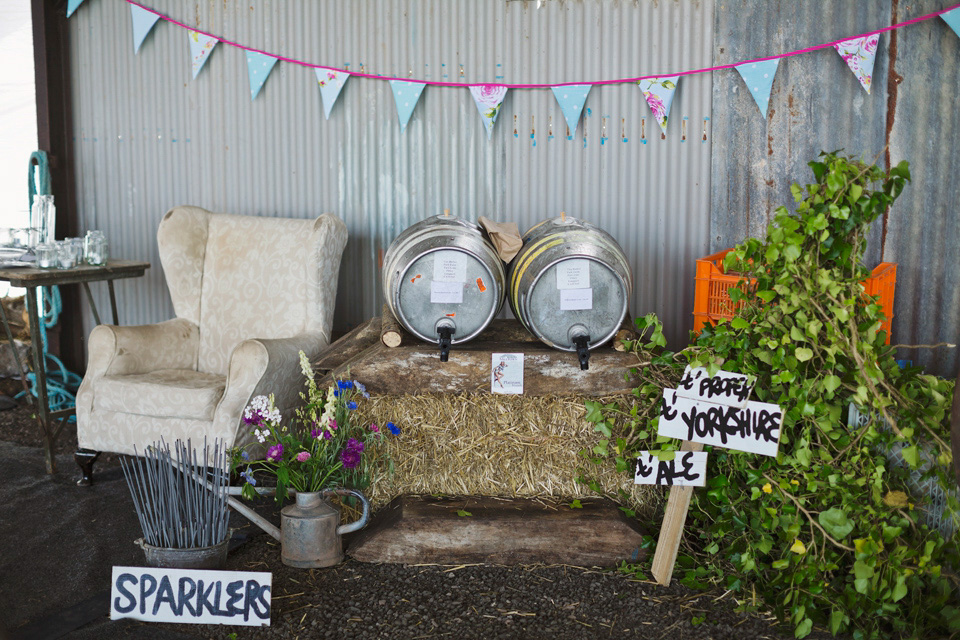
x: 191, y: 596
x: 506, y: 374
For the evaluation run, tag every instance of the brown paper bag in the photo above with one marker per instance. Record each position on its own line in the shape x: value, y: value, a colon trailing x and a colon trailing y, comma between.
x: 505, y: 237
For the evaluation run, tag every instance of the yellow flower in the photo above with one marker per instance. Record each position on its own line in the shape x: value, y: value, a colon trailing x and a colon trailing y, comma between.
x: 767, y: 488
x: 795, y: 482
x: 798, y: 547
x: 895, y: 499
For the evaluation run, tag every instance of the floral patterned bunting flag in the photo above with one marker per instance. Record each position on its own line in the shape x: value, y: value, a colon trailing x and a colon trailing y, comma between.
x: 143, y: 22
x: 72, y: 6
x: 406, y: 94
x: 952, y: 18
x: 659, y: 95
x: 860, y: 54
x: 200, y: 47
x: 331, y: 82
x: 571, y: 98
x: 759, y: 79
x: 489, y: 99
x: 259, y: 66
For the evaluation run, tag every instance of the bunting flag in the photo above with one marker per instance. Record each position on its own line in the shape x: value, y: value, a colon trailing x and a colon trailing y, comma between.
x: 143, y: 22
x: 952, y: 18
x: 331, y: 82
x: 200, y: 47
x: 759, y: 79
x: 860, y: 54
x: 489, y: 99
x: 406, y: 94
x: 259, y: 66
x: 571, y: 99
x: 72, y: 6
x: 659, y: 94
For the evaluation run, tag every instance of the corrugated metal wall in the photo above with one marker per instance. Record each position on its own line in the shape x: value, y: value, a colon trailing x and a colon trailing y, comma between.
x: 817, y: 104
x: 149, y: 137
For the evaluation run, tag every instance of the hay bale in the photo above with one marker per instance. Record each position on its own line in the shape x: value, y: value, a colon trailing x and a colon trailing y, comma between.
x: 492, y: 445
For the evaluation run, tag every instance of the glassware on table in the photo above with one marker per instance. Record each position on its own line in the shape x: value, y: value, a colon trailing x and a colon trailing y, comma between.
x: 69, y: 253
x: 95, y: 248
x: 47, y: 255
x: 43, y: 216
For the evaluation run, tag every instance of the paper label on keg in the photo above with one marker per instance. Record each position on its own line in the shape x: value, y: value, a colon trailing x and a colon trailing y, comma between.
x: 573, y: 274
x: 506, y: 375
x: 449, y: 266
x: 446, y: 292
x: 576, y: 299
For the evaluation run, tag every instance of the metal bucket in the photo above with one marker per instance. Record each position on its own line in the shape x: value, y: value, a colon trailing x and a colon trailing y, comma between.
x: 570, y: 285
x: 214, y: 557
x: 443, y: 281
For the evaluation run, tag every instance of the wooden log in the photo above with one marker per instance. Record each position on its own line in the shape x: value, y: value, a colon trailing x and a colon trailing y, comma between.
x: 671, y: 531
x: 354, y: 342
x: 421, y: 529
x: 344, y: 370
x: 391, y: 333
x: 413, y: 370
x: 505, y: 330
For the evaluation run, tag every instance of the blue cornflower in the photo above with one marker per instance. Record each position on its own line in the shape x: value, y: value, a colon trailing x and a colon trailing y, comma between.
x: 336, y: 393
x: 245, y: 455
x: 351, y: 405
x: 248, y: 476
x: 394, y: 429
x: 344, y: 384
x: 361, y: 388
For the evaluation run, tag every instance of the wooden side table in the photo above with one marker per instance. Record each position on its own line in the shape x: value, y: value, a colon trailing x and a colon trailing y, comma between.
x: 30, y: 278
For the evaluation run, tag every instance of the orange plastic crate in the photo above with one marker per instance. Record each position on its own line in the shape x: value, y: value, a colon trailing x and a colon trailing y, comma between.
x: 712, y: 301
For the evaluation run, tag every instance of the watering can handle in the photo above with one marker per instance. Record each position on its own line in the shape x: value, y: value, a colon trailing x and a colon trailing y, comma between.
x: 364, y: 517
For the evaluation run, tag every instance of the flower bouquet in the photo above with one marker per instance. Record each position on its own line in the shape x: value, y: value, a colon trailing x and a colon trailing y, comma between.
x: 324, y: 447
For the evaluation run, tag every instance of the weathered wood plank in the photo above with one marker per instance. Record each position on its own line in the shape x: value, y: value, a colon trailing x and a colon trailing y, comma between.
x: 412, y: 370
x: 391, y: 333
x: 671, y: 531
x: 356, y: 341
x: 415, y: 529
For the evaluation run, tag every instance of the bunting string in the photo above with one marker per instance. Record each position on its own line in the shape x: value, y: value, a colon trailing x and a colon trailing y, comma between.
x: 653, y: 76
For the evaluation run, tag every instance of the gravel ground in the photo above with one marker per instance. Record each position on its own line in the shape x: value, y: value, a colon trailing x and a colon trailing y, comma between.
x: 352, y: 600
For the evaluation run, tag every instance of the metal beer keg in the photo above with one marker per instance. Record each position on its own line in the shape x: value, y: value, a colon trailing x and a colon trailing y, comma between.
x: 443, y: 281
x: 570, y: 285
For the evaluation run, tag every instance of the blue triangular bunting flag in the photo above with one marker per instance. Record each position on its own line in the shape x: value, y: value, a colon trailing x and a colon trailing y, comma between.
x: 759, y: 79
x: 489, y: 99
x: 259, y: 66
x: 72, y: 6
x: 658, y: 93
x: 406, y: 94
x: 200, y: 47
x: 331, y: 81
x: 952, y: 18
x: 860, y: 53
x: 571, y: 99
x: 143, y: 22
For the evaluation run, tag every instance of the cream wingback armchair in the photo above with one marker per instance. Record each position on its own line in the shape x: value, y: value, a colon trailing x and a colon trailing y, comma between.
x: 249, y: 294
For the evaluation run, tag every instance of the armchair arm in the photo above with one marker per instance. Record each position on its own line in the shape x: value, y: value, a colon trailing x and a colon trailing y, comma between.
x: 262, y: 367
x: 114, y: 350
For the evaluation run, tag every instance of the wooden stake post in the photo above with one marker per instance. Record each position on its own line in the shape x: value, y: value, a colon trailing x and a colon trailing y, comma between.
x: 671, y: 531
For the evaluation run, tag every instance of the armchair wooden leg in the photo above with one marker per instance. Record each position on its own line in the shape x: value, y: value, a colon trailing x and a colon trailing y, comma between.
x: 85, y: 459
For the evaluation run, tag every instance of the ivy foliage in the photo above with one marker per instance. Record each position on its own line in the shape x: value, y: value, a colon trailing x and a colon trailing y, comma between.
x: 828, y: 533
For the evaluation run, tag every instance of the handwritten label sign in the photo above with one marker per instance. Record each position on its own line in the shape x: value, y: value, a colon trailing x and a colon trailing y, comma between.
x: 755, y: 429
x: 576, y: 299
x: 449, y: 266
x: 446, y: 292
x: 573, y: 274
x: 728, y: 389
x: 506, y: 374
x: 687, y: 469
x: 191, y: 596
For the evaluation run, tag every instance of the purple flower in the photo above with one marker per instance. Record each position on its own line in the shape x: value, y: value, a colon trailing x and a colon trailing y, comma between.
x: 333, y: 424
x: 275, y: 452
x: 394, y: 429
x: 355, y: 444
x: 374, y: 428
x: 316, y: 433
x: 327, y: 435
x: 351, y: 405
x: 350, y: 458
x: 303, y: 456
x: 244, y: 455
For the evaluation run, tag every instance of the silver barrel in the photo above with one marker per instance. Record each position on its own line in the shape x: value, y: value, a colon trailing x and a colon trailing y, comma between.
x: 442, y: 278
x: 570, y: 285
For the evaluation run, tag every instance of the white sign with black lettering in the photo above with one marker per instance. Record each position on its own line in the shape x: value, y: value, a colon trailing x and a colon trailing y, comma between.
x: 446, y: 292
x: 728, y: 389
x: 573, y: 274
x: 576, y: 299
x: 755, y: 429
x: 191, y: 596
x: 449, y: 266
x: 506, y: 374
x: 687, y: 469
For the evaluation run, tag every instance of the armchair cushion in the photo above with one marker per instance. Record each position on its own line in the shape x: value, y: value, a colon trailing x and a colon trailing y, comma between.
x: 166, y: 393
